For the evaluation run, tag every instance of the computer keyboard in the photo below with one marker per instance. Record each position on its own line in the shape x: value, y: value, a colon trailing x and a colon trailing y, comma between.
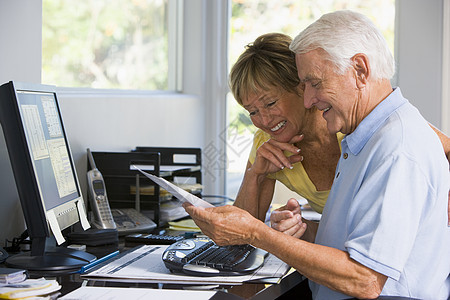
x: 201, y: 256
x: 136, y: 239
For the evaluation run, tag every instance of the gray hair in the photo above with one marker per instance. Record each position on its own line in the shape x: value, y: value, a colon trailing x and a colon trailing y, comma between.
x: 342, y: 34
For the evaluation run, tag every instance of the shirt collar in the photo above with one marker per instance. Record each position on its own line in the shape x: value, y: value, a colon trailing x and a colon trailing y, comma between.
x: 358, y: 138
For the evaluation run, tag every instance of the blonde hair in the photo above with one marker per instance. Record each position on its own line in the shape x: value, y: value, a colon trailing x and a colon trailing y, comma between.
x: 266, y: 63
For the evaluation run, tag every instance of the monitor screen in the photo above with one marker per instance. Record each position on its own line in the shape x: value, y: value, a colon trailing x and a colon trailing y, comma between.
x: 48, y: 148
x: 41, y: 160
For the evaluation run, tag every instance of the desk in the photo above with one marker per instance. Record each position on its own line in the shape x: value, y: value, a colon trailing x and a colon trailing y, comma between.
x: 292, y: 286
x: 289, y: 285
x: 260, y: 291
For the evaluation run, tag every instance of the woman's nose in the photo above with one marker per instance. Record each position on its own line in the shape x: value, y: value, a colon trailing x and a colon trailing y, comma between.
x: 266, y: 117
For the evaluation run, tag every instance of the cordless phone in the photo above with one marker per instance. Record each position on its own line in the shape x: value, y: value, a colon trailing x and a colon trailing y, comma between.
x: 98, y: 198
x: 125, y: 220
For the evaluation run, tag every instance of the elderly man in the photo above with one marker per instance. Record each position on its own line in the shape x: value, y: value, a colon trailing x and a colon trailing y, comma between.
x: 384, y: 228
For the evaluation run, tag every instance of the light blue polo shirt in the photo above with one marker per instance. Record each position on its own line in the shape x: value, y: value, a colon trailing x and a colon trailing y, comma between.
x: 388, y: 204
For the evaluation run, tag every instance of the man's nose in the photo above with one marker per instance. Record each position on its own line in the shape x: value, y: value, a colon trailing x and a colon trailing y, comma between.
x: 309, y: 98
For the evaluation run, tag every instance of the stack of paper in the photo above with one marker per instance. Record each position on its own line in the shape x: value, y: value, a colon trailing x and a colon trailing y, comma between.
x: 193, y: 188
x: 29, y: 288
x: 172, y: 210
x: 184, y: 225
x: 116, y: 293
x: 10, y: 275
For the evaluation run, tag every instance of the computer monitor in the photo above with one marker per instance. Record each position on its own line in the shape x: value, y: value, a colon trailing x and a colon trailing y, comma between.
x: 45, y: 176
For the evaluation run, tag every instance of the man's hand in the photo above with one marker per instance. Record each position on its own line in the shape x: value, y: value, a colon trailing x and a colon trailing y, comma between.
x: 288, y: 219
x: 270, y: 156
x: 225, y: 225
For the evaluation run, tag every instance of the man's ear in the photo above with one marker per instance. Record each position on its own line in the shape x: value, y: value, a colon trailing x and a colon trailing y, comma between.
x: 362, y: 69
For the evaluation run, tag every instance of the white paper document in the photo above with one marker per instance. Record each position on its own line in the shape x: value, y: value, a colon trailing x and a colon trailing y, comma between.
x: 30, y: 288
x: 178, y: 192
x: 115, y: 293
x: 144, y: 264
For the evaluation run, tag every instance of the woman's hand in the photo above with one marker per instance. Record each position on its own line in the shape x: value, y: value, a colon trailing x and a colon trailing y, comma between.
x: 288, y: 219
x: 270, y: 156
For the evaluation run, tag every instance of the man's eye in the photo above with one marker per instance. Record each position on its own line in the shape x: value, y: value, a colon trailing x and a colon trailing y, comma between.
x: 271, y: 103
x: 315, y: 84
x: 252, y: 113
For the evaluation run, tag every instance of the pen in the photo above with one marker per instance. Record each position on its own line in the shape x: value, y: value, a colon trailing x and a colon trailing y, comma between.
x: 97, y: 261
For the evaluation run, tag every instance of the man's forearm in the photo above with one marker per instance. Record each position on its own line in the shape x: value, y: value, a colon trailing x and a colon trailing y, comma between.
x: 324, y: 265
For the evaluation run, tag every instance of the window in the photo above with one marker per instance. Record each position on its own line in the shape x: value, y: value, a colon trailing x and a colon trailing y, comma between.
x: 114, y: 44
x: 250, y: 19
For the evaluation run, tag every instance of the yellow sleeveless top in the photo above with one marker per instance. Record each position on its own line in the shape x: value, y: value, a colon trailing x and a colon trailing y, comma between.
x: 295, y: 179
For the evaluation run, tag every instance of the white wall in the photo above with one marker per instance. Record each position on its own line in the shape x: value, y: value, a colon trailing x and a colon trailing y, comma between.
x: 419, y: 56
x: 121, y: 123
x: 20, y: 59
x: 20, y: 45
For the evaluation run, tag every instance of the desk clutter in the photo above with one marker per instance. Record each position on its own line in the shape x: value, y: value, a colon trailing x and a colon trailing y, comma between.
x: 179, y: 255
x: 120, y: 293
x: 12, y: 276
x: 144, y: 264
x: 184, y: 225
x: 154, y: 263
x: 14, y: 284
x: 137, y: 239
x: 193, y: 188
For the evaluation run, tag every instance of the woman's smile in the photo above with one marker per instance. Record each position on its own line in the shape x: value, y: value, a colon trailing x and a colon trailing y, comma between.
x: 278, y: 126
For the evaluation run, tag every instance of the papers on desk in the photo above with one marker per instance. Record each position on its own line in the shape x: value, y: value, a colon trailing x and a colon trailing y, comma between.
x: 144, y: 264
x: 184, y: 225
x: 29, y: 288
x: 113, y: 293
x: 11, y: 275
x: 176, y: 191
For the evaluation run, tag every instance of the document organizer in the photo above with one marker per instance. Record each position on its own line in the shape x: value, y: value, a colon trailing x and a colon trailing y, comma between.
x: 183, y: 163
x: 120, y: 178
